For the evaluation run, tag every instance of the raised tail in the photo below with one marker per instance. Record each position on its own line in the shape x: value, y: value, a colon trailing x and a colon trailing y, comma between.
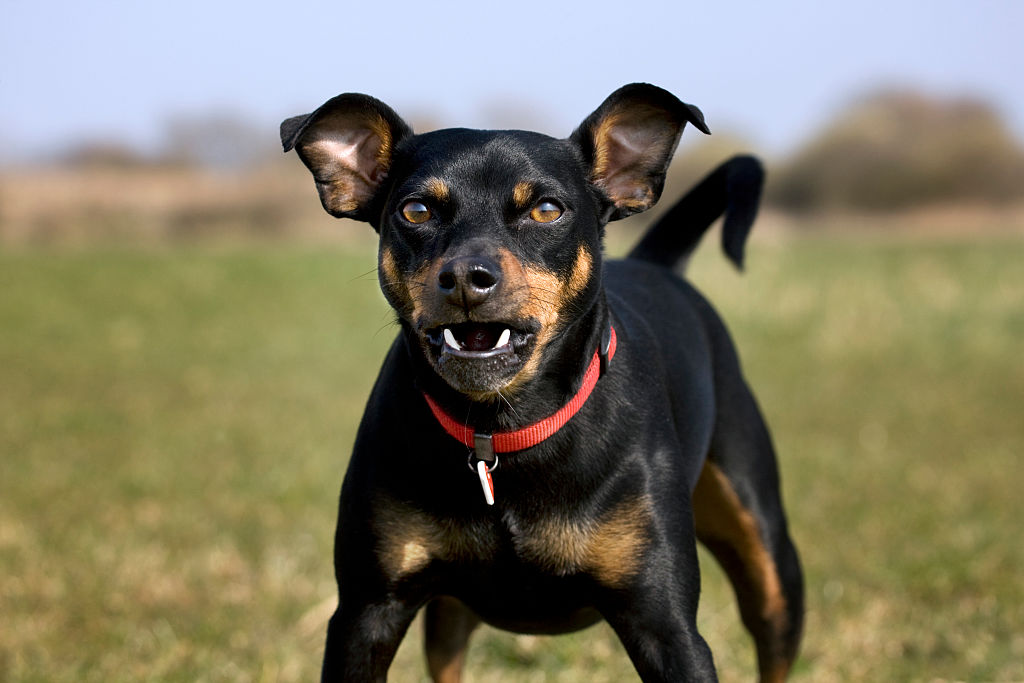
x: 734, y: 188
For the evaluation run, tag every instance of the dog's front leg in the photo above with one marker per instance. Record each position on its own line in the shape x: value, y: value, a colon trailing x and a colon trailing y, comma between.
x: 654, y: 614
x: 662, y: 642
x: 362, y: 638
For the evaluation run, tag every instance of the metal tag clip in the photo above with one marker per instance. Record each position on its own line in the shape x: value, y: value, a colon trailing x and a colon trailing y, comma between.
x: 483, y: 446
x: 486, y: 462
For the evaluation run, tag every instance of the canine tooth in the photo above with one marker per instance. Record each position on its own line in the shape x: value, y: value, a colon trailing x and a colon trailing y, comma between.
x: 503, y: 339
x: 449, y: 339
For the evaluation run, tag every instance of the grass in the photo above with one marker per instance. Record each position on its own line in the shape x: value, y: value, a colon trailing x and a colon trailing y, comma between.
x: 174, y: 425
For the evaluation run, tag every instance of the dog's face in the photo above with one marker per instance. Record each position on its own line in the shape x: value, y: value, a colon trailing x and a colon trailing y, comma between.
x: 490, y: 241
x: 488, y: 246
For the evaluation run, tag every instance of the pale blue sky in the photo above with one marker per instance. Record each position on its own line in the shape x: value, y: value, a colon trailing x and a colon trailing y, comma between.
x: 769, y: 71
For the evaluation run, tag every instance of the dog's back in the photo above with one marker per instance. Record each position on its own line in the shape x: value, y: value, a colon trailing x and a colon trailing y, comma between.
x: 686, y: 347
x: 737, y: 510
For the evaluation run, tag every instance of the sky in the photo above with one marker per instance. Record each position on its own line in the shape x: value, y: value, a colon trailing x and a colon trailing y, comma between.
x: 771, y: 73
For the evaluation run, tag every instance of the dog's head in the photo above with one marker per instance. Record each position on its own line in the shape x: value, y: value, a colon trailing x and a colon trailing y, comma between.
x: 490, y: 241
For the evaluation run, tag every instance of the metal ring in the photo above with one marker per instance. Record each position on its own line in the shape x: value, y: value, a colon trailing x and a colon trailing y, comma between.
x: 490, y: 468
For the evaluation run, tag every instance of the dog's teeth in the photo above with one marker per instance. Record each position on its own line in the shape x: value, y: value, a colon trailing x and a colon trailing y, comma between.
x: 503, y: 339
x: 450, y: 340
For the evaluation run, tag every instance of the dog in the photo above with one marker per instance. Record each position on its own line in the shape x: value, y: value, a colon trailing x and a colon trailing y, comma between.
x: 551, y: 432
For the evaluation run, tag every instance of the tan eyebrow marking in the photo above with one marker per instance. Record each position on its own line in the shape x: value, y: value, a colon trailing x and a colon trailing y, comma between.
x: 522, y: 193
x: 438, y: 189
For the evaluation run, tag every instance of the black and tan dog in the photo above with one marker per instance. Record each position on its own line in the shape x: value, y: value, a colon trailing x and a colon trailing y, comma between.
x: 605, y: 397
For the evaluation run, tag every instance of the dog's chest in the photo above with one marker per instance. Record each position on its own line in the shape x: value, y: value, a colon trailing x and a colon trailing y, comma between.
x: 608, y: 546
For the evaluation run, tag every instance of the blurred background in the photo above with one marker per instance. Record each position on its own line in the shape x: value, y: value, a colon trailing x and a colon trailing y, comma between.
x: 187, y: 340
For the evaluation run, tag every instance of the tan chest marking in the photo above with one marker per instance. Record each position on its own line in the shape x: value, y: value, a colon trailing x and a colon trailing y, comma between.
x: 610, y: 548
x: 409, y: 539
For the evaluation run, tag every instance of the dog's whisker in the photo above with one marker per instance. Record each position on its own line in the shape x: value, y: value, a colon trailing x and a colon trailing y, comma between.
x: 509, y: 404
x: 385, y: 326
x: 364, y: 276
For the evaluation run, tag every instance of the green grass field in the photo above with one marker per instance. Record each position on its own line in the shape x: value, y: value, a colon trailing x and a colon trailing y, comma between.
x: 175, y: 423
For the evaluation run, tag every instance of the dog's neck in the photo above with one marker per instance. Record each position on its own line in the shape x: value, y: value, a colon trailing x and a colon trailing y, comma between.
x: 557, y: 379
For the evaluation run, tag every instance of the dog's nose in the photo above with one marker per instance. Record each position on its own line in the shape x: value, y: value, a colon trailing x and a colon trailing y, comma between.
x: 467, y: 281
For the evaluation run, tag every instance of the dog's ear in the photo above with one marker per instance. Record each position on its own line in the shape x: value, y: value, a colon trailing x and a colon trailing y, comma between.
x: 347, y: 144
x: 629, y: 141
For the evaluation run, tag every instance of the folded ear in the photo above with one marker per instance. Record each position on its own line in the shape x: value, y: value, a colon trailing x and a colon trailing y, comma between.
x: 629, y: 142
x: 347, y: 144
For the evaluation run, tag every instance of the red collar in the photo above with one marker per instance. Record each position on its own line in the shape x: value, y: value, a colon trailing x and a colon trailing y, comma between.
x: 520, y: 439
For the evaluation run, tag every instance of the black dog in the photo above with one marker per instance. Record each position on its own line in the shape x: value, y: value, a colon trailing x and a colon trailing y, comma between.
x: 607, y: 395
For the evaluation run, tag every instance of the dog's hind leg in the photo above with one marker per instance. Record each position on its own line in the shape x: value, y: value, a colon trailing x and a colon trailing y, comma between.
x: 739, y: 518
x: 447, y: 627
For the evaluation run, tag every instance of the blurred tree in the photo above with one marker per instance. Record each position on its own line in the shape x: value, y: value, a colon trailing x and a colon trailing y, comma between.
x: 102, y: 154
x: 219, y: 140
x: 902, y: 149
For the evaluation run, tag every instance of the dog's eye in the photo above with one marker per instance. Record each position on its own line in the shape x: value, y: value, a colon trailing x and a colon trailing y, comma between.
x: 545, y: 212
x: 416, y: 212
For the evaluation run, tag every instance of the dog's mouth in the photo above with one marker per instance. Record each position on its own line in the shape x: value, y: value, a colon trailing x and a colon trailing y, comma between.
x: 479, y: 357
x: 477, y: 340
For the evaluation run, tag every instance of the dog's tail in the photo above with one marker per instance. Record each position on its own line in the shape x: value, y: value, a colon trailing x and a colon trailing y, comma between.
x: 734, y: 188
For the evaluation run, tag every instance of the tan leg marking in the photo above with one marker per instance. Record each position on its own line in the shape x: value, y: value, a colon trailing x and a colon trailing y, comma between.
x: 721, y: 518
x: 448, y: 625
